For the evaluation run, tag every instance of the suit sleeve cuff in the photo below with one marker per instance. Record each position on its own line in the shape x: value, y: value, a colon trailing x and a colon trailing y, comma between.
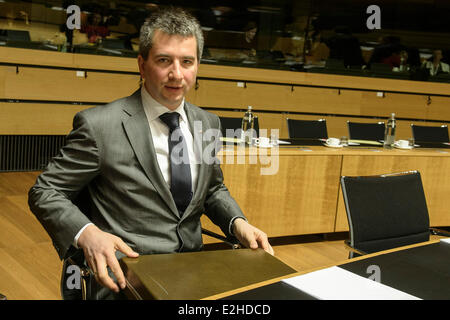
x: 75, y: 242
x: 230, y: 228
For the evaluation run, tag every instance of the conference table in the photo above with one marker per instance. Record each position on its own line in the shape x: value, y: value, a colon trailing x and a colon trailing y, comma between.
x: 414, y: 272
x: 295, y: 190
x: 419, y: 271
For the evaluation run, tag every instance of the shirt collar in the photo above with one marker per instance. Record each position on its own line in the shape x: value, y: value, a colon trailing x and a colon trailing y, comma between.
x: 154, y: 109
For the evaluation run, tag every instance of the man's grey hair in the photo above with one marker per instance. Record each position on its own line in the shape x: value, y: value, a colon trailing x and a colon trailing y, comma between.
x: 172, y: 21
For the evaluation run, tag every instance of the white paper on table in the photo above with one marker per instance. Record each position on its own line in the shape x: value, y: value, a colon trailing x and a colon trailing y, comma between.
x: 446, y: 240
x: 338, y: 284
x: 283, y: 142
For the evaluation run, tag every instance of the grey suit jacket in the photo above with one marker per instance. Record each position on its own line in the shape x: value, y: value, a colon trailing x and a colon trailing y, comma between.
x: 110, y: 152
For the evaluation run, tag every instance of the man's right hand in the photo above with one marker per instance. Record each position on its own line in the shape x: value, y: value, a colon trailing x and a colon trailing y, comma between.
x: 99, y: 250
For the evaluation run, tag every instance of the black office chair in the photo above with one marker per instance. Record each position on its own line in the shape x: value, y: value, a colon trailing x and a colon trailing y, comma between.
x: 307, y: 129
x: 14, y: 35
x: 366, y: 131
x: 385, y: 211
x: 429, y: 134
x: 381, y: 68
x: 334, y: 64
x: 235, y: 124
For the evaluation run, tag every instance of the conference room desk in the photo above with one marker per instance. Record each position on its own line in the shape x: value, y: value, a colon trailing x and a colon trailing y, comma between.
x: 420, y: 270
x: 294, y: 190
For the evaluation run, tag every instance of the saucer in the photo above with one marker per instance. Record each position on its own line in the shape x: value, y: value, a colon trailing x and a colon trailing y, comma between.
x: 333, y: 145
x: 264, y: 146
x: 403, y: 148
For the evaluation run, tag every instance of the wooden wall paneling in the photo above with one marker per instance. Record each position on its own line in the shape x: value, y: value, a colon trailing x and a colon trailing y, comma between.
x: 403, y: 130
x: 371, y: 83
x: 41, y: 57
x: 228, y: 114
x: 433, y: 171
x: 220, y: 94
x: 4, y: 71
x: 324, y: 100
x: 191, y: 95
x: 93, y: 61
x: 299, y: 199
x: 403, y: 105
x: 65, y: 85
x: 271, y: 121
x: 37, y: 118
x: 37, y: 57
x: 438, y: 108
x: 268, y: 96
x: 109, y: 87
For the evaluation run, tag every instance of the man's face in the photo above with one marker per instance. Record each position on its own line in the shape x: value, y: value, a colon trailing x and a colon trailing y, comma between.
x: 437, y: 54
x: 170, y: 69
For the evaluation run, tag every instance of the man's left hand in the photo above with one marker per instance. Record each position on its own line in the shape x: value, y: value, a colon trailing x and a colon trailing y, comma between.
x: 250, y: 236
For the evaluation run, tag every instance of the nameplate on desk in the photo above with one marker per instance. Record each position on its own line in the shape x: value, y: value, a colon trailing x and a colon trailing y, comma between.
x: 338, y: 284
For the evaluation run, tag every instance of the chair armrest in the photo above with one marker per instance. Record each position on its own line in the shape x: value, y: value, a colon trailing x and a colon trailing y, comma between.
x: 85, y: 271
x: 233, y: 242
x: 353, y: 250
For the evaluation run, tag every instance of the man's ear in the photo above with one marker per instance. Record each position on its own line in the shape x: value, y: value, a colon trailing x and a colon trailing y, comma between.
x: 141, y: 62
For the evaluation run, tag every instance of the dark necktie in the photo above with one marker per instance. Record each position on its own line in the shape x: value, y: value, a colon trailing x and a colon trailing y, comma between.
x: 180, y: 169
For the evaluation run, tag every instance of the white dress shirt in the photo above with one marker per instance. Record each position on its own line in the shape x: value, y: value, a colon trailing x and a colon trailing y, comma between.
x: 443, y: 67
x: 160, y: 136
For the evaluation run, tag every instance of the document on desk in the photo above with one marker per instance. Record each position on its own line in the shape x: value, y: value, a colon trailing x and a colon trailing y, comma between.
x: 446, y: 240
x: 338, y: 284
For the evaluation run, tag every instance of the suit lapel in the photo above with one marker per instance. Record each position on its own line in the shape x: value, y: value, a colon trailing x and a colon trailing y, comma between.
x: 197, y: 131
x: 138, y: 131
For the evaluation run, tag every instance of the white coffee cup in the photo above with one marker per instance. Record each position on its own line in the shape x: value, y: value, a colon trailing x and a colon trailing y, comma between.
x: 262, y: 142
x: 333, y: 141
x: 403, y: 143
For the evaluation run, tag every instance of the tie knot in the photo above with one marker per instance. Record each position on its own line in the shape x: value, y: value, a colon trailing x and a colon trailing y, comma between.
x: 171, y: 119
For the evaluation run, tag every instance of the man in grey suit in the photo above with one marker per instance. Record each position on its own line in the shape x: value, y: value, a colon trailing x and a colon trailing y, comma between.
x: 141, y: 200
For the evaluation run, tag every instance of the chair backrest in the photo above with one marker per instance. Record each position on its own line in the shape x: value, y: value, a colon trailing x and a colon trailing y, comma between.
x: 15, y: 35
x: 385, y: 211
x: 334, y: 64
x: 430, y: 134
x: 381, y: 68
x: 236, y: 123
x: 366, y: 131
x: 310, y: 129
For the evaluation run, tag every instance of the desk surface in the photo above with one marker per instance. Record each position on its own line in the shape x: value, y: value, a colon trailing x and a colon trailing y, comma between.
x: 296, y: 150
x: 420, y: 270
x: 195, y: 275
